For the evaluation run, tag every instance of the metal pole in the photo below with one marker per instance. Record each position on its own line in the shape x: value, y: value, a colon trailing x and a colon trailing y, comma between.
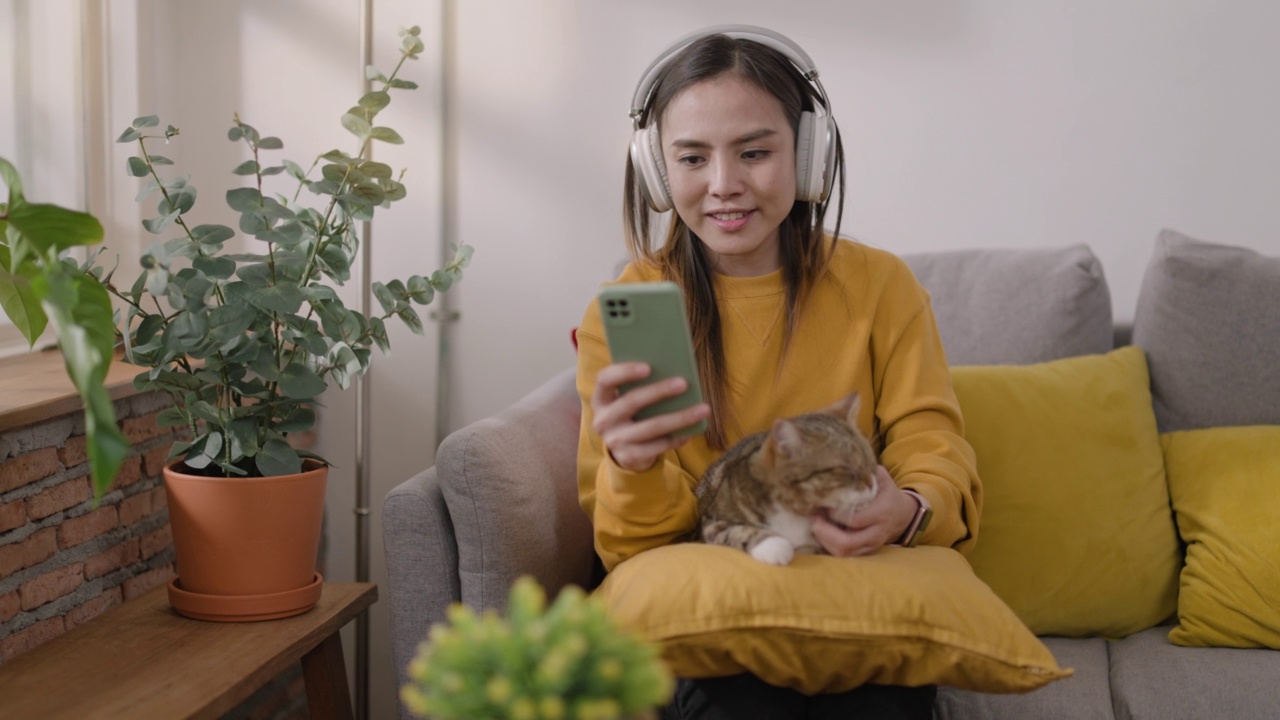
x: 444, y: 313
x: 364, y: 405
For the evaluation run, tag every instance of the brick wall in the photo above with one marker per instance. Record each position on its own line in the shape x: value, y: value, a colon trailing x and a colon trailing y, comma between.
x: 64, y: 560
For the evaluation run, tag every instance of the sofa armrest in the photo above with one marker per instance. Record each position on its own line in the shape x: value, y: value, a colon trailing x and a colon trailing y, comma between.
x: 422, y: 563
x: 510, y: 484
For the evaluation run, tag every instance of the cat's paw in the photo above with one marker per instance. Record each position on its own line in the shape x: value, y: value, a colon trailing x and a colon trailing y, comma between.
x: 774, y: 551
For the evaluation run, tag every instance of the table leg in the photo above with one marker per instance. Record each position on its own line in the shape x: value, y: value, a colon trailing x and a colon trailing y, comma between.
x: 325, y: 675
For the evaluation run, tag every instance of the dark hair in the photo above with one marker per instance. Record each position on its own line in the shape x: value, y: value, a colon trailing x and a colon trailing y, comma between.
x: 804, y: 248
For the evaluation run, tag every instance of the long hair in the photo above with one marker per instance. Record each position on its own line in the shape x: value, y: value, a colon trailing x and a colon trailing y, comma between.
x: 804, y: 247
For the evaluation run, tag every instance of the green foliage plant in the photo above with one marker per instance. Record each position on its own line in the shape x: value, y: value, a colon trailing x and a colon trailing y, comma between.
x: 568, y: 661
x: 244, y: 342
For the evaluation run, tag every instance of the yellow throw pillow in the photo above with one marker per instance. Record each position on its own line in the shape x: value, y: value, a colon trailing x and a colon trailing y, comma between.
x: 903, y: 616
x: 1225, y: 484
x: 1077, y: 534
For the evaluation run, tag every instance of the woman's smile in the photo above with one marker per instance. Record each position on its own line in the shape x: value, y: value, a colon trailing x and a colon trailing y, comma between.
x: 731, y: 220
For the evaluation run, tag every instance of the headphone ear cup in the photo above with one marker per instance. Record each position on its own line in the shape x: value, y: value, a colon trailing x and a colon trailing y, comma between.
x: 815, y: 155
x: 646, y: 158
x: 804, y: 157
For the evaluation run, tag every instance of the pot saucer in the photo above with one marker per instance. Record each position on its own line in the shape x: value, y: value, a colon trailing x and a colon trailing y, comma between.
x: 244, y: 608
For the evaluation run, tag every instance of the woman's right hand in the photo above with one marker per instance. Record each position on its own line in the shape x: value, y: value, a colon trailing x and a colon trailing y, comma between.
x: 636, y: 445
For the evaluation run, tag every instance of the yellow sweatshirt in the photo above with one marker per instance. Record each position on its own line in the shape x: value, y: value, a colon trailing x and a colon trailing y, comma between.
x: 868, y: 326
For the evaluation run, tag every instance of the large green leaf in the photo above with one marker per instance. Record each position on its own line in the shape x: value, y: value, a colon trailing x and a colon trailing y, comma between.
x: 49, y: 226
x: 75, y: 301
x: 107, y: 447
x: 9, y: 174
x: 80, y: 311
x: 19, y: 302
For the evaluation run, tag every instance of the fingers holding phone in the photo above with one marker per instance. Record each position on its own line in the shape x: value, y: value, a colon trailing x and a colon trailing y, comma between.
x: 636, y: 444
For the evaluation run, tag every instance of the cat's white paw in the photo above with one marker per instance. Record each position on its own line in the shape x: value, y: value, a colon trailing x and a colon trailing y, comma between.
x: 773, y: 550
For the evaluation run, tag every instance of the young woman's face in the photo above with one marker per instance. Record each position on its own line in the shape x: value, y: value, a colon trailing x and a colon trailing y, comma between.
x: 731, y: 164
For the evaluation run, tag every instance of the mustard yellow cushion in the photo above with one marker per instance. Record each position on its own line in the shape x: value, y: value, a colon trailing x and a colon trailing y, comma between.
x: 1225, y: 484
x: 903, y: 616
x: 1077, y: 533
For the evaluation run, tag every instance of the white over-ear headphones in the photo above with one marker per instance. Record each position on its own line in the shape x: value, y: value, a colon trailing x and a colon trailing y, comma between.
x: 815, y: 137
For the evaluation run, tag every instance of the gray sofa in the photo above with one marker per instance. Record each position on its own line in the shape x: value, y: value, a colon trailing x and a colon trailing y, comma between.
x: 501, y: 501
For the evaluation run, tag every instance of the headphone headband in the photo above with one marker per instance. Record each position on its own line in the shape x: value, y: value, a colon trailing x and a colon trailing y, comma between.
x: 817, y: 137
x: 764, y: 36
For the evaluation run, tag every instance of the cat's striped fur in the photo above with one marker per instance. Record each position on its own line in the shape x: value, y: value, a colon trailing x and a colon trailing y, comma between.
x: 762, y: 494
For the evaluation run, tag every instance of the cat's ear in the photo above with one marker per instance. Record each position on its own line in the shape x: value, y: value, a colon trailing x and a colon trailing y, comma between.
x: 847, y: 408
x: 784, y: 440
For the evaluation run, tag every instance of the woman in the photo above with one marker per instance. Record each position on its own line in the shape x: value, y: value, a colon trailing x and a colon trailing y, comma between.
x: 732, y: 132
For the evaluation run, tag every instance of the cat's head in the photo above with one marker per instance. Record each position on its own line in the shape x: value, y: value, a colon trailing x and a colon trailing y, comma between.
x: 819, y: 459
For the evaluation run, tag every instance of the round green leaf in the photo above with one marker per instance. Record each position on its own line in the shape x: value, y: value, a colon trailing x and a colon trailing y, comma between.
x: 301, y: 382
x: 276, y: 458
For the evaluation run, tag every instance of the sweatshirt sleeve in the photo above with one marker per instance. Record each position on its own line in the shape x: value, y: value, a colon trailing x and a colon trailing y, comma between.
x: 630, y: 512
x: 919, y: 416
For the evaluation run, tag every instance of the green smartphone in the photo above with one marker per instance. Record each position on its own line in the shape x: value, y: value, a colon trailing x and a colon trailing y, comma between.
x: 646, y: 322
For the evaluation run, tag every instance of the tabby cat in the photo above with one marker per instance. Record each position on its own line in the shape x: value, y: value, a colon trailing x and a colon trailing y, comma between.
x: 762, y: 494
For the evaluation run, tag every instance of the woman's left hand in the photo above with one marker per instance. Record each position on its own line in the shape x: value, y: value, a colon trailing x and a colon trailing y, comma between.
x: 872, y: 526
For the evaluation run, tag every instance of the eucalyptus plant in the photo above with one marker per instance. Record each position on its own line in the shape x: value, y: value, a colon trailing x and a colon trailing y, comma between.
x: 244, y: 342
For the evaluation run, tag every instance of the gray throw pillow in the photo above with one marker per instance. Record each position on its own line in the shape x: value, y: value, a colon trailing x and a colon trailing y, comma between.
x: 1017, y: 306
x: 1209, y: 318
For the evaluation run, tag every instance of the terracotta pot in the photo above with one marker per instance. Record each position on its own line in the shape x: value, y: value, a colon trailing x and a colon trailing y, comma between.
x: 246, y: 547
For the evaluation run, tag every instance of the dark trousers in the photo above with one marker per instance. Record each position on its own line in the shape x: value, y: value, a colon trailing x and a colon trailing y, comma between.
x: 747, y: 697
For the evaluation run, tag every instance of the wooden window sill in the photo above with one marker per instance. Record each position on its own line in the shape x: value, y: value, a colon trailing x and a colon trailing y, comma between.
x: 35, y: 387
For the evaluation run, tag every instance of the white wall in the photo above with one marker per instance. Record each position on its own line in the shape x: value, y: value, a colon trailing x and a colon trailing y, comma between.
x: 968, y: 123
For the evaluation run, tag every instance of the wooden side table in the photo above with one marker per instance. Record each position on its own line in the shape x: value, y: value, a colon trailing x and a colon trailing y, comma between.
x: 143, y: 660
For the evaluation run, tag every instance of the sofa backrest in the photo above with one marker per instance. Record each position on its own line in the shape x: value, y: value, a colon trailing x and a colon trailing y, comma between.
x: 1208, y: 316
x: 1017, y: 306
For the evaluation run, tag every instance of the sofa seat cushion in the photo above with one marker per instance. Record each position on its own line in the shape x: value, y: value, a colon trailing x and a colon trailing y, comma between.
x: 1083, y: 696
x: 1015, y: 306
x: 902, y: 616
x: 1209, y: 318
x: 1153, y: 678
x: 1077, y: 534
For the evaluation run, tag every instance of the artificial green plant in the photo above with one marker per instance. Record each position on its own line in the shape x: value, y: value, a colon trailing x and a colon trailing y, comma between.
x: 568, y: 661
x: 244, y: 342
